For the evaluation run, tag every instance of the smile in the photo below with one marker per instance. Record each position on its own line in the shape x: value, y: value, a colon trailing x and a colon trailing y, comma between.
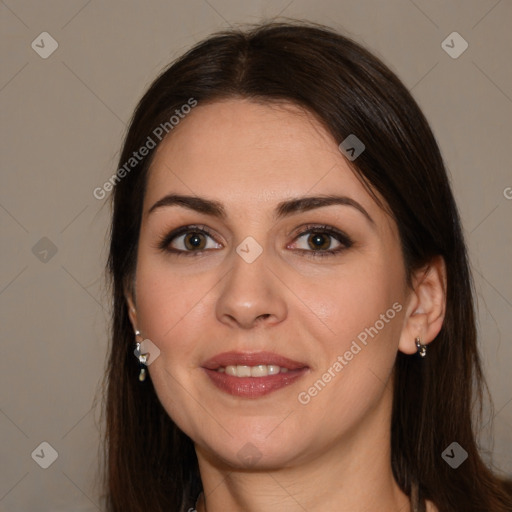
x: 262, y: 370
x: 252, y: 375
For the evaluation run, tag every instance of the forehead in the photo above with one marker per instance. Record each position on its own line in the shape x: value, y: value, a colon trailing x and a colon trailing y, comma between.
x: 238, y: 150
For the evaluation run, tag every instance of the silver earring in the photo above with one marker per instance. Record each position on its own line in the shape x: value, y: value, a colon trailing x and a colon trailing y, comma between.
x: 141, y: 357
x: 422, y: 349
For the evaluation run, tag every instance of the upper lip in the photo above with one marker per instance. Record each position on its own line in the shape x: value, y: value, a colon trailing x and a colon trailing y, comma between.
x: 251, y: 359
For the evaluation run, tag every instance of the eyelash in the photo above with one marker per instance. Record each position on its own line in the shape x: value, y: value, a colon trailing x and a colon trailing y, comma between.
x: 163, y: 243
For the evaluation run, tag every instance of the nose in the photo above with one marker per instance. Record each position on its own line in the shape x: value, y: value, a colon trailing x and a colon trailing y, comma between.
x: 251, y: 295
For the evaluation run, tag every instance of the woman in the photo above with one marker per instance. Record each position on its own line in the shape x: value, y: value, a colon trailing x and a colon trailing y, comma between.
x: 289, y: 270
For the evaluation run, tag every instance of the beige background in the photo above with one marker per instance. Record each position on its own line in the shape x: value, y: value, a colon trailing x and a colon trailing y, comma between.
x: 63, y: 119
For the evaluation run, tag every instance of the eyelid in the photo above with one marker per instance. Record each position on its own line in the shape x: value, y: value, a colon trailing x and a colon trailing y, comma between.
x: 164, y: 241
x: 343, y: 239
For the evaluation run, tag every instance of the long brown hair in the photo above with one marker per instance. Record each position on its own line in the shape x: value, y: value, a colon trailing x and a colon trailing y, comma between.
x: 150, y: 463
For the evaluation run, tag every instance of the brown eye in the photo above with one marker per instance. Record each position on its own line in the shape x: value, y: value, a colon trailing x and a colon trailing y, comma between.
x: 194, y: 240
x: 319, y: 241
x: 188, y: 241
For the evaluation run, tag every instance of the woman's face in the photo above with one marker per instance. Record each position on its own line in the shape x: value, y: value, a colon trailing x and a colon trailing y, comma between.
x: 258, y: 288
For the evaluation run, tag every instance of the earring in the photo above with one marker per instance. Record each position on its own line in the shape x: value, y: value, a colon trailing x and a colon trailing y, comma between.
x: 422, y: 349
x: 141, y: 357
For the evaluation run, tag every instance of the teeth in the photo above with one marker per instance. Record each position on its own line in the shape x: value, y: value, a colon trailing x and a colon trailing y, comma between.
x: 261, y: 370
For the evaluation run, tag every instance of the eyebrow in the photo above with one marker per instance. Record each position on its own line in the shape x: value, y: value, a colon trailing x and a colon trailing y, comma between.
x: 283, y: 209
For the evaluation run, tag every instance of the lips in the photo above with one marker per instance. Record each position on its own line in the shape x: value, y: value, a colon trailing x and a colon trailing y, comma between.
x: 229, y: 373
x: 251, y: 359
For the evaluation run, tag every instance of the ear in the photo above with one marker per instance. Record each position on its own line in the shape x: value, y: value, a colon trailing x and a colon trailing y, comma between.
x: 426, y: 306
x: 132, y: 312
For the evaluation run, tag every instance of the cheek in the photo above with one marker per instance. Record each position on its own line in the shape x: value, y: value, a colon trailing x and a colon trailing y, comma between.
x: 167, y: 296
x: 358, y: 304
x: 171, y: 313
x: 364, y: 312
x: 169, y: 309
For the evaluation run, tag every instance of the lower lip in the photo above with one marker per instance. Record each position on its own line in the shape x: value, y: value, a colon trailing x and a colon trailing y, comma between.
x: 253, y: 387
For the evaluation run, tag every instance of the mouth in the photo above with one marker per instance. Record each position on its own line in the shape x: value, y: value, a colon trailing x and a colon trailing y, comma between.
x: 252, y: 375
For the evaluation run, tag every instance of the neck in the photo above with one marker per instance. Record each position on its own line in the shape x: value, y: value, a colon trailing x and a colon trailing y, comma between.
x: 353, y: 473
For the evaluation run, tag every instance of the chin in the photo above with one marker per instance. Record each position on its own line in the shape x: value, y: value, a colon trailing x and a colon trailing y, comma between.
x: 257, y: 448
x: 253, y: 457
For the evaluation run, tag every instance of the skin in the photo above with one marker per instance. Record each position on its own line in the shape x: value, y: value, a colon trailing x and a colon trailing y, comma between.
x: 334, y: 452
